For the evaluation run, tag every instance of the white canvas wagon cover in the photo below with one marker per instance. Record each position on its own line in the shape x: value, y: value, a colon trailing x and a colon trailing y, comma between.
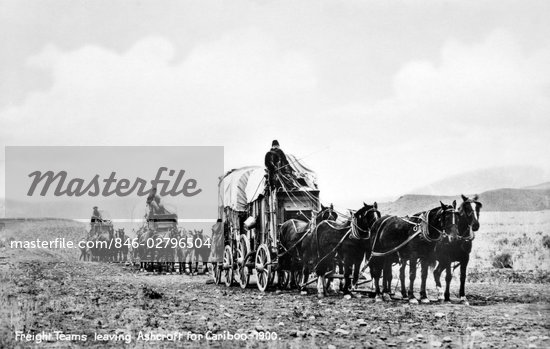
x: 240, y: 186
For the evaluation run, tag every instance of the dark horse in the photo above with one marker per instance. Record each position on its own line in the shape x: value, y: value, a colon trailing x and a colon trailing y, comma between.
x: 458, y: 250
x: 200, y: 250
x: 291, y: 234
x: 412, y: 238
x: 349, y: 241
x: 122, y: 241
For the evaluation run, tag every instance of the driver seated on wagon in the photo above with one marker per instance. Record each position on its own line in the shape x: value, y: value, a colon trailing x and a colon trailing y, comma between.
x: 154, y: 204
x: 96, y: 220
x: 279, y: 172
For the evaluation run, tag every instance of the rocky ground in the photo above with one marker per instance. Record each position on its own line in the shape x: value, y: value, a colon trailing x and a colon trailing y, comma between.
x: 43, y: 291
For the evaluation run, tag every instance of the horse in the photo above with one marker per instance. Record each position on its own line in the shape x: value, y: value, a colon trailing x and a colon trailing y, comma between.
x: 349, y: 241
x: 291, y: 233
x: 101, y: 246
x: 202, y: 251
x: 412, y: 238
x: 85, y: 252
x: 458, y: 250
x: 141, y: 250
x: 122, y: 251
x: 185, y: 254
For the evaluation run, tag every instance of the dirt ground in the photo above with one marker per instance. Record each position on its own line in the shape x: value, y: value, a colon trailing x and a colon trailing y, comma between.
x: 43, y: 291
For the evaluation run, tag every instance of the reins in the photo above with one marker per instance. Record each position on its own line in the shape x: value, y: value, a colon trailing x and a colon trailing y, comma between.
x: 312, y: 226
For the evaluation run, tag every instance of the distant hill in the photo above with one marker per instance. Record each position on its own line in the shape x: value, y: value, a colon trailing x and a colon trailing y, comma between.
x: 45, y: 229
x: 505, y: 199
x: 545, y: 185
x: 486, y: 179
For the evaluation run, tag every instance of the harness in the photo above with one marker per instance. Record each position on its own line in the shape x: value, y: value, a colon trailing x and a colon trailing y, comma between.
x: 419, y: 228
x: 287, y: 250
x: 351, y: 232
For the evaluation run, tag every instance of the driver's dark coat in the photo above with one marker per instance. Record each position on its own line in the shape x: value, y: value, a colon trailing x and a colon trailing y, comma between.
x: 275, y: 159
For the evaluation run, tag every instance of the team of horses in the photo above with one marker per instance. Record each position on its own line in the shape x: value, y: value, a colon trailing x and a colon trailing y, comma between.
x: 104, y: 249
x: 367, y: 239
x: 100, y: 246
x: 165, y: 258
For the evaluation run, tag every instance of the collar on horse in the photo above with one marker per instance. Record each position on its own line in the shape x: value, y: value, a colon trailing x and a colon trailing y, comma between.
x: 425, y: 225
x: 355, y: 227
x: 352, y: 233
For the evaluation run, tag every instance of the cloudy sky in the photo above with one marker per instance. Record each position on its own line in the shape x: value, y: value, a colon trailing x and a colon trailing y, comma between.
x: 378, y: 97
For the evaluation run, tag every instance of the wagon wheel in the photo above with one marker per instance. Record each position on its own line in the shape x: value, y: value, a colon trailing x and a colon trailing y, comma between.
x: 228, y: 265
x: 264, y: 272
x: 283, y: 279
x: 242, y: 270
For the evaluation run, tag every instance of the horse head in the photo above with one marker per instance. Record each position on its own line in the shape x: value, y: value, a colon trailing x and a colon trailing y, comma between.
x: 469, y: 213
x: 447, y: 220
x: 199, y: 233
x: 326, y: 214
x: 365, y: 217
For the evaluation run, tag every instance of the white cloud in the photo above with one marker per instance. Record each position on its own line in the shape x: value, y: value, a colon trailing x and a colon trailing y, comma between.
x: 475, y: 105
x: 99, y: 96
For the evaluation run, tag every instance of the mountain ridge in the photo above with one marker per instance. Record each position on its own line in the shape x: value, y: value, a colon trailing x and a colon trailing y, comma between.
x: 503, y: 200
x: 481, y: 180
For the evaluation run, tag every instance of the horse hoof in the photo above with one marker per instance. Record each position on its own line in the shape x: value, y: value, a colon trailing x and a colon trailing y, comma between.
x: 320, y: 295
x: 425, y: 301
x: 303, y: 293
x: 413, y: 301
x: 464, y: 301
x: 378, y: 299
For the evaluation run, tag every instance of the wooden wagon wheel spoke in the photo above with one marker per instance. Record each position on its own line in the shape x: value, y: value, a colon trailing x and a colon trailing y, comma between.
x: 228, y: 265
x: 243, y: 271
x: 263, y: 267
x: 217, y: 271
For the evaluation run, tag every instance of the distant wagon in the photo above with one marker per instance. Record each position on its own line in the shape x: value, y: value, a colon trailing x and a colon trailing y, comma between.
x: 156, y: 249
x: 251, y: 215
x: 102, y: 233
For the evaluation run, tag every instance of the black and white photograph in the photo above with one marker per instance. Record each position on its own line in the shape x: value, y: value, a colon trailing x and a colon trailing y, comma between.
x: 274, y: 174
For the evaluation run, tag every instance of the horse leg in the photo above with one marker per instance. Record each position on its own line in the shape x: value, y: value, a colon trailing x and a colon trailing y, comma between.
x: 292, y: 281
x: 462, y: 294
x: 376, y: 272
x: 448, y: 278
x: 402, y: 278
x: 356, y: 269
x: 424, y: 276
x: 437, y: 275
x: 347, y: 277
x: 321, y: 292
x: 412, y: 277
x: 305, y: 276
x: 387, y: 278
x: 190, y: 267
